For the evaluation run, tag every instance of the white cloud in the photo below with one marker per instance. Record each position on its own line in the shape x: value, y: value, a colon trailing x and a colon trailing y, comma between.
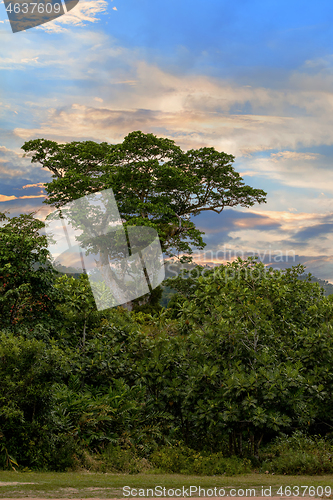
x: 11, y: 163
x: 302, y: 170
x: 193, y: 109
x: 85, y: 11
x: 293, y: 155
x: 28, y: 60
x: 281, y: 237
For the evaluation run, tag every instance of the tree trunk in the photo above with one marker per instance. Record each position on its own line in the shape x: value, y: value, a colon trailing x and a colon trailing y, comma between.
x: 84, y: 331
x: 240, y: 444
x: 230, y: 445
x: 257, y: 444
x: 251, y: 439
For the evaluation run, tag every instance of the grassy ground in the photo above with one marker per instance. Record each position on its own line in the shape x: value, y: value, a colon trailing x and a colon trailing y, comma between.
x: 99, y: 485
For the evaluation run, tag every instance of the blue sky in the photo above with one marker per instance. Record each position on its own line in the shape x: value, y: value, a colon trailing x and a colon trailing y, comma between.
x: 250, y: 78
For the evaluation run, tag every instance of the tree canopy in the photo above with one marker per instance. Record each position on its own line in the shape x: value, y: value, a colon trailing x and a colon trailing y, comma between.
x: 155, y: 183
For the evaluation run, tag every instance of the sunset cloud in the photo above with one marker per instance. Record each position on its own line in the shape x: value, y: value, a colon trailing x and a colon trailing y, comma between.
x: 9, y: 198
x: 197, y: 111
x: 254, y: 85
x: 38, y: 184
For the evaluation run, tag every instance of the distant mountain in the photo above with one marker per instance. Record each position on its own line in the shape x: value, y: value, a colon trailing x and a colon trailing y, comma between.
x: 328, y: 287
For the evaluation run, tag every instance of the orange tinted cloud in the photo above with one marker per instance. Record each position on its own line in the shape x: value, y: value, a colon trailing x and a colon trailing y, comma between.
x: 3, y: 197
x: 38, y: 184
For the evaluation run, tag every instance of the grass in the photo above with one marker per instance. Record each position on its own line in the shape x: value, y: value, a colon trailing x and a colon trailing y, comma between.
x: 98, y: 485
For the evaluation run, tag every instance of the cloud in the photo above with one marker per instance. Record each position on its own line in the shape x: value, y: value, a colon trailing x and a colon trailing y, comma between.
x: 86, y: 11
x: 264, y: 128
x: 76, y: 122
x: 244, y: 231
x: 194, y: 110
x: 279, y: 238
x: 55, y: 61
x: 230, y: 219
x: 293, y: 155
x: 299, y: 170
x: 12, y: 164
x: 28, y: 60
x: 316, y: 231
x: 9, y: 198
x: 19, y: 174
x: 37, y: 184
x: 22, y: 206
x: 286, y: 199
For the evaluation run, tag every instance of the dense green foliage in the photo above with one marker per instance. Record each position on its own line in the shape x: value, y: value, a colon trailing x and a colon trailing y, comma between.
x: 240, y: 355
x: 25, y: 292
x: 236, y: 371
x: 299, y: 454
x: 184, y: 460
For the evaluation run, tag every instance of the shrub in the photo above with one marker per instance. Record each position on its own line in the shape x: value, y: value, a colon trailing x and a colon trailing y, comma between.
x: 299, y: 454
x: 301, y: 462
x: 116, y: 459
x: 184, y: 460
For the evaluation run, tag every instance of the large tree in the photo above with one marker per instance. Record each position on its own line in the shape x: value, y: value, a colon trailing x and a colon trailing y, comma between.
x: 155, y: 183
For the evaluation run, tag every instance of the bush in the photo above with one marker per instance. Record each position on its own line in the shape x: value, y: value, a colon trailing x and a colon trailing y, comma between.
x: 116, y: 459
x: 299, y: 454
x: 301, y: 462
x: 29, y: 370
x: 184, y: 460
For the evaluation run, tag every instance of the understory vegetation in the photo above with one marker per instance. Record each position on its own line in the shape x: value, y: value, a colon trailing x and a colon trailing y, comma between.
x: 234, y: 375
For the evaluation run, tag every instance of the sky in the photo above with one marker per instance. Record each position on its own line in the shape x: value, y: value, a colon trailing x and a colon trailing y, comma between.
x: 251, y: 78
